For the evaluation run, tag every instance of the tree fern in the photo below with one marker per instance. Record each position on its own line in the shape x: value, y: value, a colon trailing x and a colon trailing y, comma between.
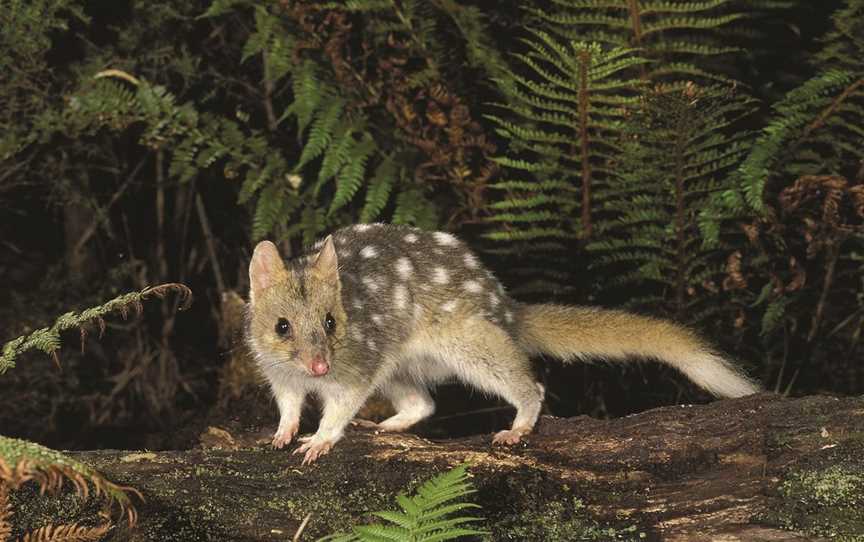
x: 424, y: 516
x: 680, y: 36
x: 563, y: 122
x: 822, y: 111
x: 681, y: 151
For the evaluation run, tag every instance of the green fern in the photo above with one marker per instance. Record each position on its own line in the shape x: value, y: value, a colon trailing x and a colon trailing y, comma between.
x: 425, y: 516
x: 683, y: 148
x: 816, y: 128
x: 563, y: 122
x: 812, y: 114
x: 22, y: 461
x: 680, y: 36
x: 414, y: 206
x: 379, y: 189
x: 47, y: 339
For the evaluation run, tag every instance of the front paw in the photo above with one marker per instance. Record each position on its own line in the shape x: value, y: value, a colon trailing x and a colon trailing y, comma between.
x: 284, y: 435
x: 510, y: 436
x: 314, y: 447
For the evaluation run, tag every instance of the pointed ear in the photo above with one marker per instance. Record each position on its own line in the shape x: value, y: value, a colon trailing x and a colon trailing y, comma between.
x: 326, y: 264
x: 265, y: 269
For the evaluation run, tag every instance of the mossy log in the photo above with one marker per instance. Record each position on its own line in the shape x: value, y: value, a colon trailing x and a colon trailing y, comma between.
x: 758, y: 468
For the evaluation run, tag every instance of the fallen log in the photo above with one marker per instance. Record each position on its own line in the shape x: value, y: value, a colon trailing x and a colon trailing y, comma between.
x: 758, y: 468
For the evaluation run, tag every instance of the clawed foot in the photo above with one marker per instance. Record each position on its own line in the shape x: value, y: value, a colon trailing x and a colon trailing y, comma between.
x: 394, y: 426
x: 367, y: 424
x: 284, y: 435
x: 390, y: 425
x: 313, y: 448
x: 509, y: 437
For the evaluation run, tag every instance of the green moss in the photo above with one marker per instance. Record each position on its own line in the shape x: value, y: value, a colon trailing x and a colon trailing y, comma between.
x: 560, y: 522
x: 822, y: 502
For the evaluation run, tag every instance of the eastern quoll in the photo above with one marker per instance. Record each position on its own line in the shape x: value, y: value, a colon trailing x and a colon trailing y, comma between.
x: 397, y: 310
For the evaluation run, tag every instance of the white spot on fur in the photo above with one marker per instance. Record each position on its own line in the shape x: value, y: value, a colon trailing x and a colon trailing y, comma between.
x: 404, y: 268
x: 400, y: 297
x: 508, y: 317
x: 356, y: 334
x: 410, y: 238
x: 418, y: 311
x: 362, y: 227
x: 369, y: 252
x: 494, y: 299
x: 472, y: 286
x: 440, y: 275
x: 376, y: 318
x: 450, y: 306
x: 372, y: 346
x: 357, y: 304
x: 371, y: 284
x: 471, y: 261
x: 444, y: 238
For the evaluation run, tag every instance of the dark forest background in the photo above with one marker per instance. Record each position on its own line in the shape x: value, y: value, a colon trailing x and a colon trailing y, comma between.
x: 697, y: 160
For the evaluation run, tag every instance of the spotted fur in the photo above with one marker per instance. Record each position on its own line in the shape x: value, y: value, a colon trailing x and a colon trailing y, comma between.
x: 410, y: 309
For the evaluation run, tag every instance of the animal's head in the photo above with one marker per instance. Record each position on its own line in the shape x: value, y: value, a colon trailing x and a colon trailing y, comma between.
x: 296, y: 318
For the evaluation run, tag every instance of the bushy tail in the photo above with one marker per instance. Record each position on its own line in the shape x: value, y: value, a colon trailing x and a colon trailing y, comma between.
x: 570, y: 333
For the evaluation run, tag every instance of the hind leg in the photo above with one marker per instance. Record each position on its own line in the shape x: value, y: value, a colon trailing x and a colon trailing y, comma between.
x: 483, y: 355
x: 411, y: 401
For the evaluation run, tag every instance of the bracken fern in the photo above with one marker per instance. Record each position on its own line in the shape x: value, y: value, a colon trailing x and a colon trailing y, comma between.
x: 426, y: 516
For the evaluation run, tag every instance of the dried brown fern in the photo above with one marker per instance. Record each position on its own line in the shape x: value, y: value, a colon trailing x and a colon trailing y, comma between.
x: 5, y: 513
x: 67, y: 533
x: 404, y: 76
x: 22, y: 461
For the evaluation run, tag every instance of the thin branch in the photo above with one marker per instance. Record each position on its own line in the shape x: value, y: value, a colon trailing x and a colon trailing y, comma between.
x: 211, y: 245
x: 268, y: 93
x: 97, y: 220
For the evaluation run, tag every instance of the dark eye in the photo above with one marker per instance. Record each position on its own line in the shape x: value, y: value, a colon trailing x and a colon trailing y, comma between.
x: 329, y: 323
x: 283, y: 328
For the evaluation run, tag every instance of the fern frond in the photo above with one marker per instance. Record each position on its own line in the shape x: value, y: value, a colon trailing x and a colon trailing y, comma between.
x: 803, y: 110
x: 672, y: 166
x: 22, y: 461
x: 5, y: 513
x: 47, y: 339
x: 351, y: 176
x: 680, y: 36
x: 380, y: 187
x: 67, y: 533
x: 322, y: 132
x: 307, y: 94
x: 424, y: 515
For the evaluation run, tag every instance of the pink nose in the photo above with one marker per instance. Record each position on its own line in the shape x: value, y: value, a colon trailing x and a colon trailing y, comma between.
x: 319, y: 367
